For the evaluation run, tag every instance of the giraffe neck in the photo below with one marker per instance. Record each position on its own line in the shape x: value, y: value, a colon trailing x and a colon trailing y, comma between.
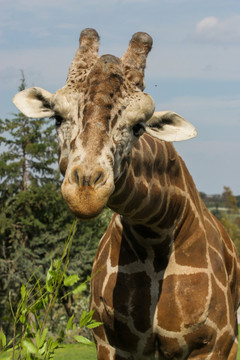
x: 155, y: 190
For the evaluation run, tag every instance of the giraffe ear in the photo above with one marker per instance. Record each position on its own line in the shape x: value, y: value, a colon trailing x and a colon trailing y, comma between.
x: 34, y: 102
x: 169, y: 126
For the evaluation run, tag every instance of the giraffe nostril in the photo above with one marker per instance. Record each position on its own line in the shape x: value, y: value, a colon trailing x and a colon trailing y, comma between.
x: 76, y: 177
x: 99, y: 176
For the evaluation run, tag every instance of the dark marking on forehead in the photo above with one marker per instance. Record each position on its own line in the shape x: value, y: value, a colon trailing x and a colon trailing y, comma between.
x: 103, y: 91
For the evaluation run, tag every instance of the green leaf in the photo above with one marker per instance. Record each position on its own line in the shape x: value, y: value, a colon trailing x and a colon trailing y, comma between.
x: 57, y: 263
x: 3, y: 340
x: 22, y: 318
x: 38, y: 305
x: 23, y: 291
x: 10, y: 343
x: 43, y: 349
x: 37, y: 339
x: 71, y: 280
x: 82, y: 319
x: 29, y: 356
x: 70, y: 323
x: 29, y: 347
x: 52, y: 345
x: 49, y: 286
x: 80, y: 288
x: 94, y: 324
x: 43, y: 337
x: 86, y: 318
x: 51, y: 279
x: 46, y: 299
x: 55, y: 344
x: 50, y: 341
x: 83, y: 340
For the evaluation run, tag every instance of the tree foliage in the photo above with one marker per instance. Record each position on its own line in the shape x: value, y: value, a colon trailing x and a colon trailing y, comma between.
x: 29, y: 154
x: 226, y: 208
x: 233, y: 229
x: 229, y: 199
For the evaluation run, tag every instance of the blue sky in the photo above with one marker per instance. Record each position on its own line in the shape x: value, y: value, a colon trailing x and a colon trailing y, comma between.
x: 193, y: 68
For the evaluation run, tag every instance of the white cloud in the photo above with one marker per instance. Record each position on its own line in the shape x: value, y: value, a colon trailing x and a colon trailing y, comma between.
x: 212, y: 29
x: 207, y: 24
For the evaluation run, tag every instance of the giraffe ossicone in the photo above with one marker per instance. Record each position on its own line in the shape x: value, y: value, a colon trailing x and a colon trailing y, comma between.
x: 166, y: 275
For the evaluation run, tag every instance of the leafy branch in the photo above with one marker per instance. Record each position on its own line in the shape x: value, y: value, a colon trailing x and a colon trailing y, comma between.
x: 31, y: 339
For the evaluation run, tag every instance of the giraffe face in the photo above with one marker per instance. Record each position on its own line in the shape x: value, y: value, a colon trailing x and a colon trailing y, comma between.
x: 100, y: 114
x: 97, y: 129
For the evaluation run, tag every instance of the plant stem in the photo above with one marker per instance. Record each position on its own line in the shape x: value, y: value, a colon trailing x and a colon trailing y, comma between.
x: 58, y: 283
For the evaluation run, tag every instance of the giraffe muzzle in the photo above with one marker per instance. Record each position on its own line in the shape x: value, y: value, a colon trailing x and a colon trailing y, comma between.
x: 85, y: 192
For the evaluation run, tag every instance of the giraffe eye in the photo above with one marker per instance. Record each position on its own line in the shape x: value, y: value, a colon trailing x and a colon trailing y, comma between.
x: 59, y: 120
x: 138, y: 129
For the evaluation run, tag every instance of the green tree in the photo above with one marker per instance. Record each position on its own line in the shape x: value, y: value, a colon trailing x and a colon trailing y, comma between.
x: 229, y: 199
x: 230, y: 220
x: 29, y: 154
x: 233, y: 229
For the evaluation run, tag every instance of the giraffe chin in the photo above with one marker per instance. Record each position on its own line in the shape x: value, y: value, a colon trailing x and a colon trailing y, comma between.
x: 85, y: 203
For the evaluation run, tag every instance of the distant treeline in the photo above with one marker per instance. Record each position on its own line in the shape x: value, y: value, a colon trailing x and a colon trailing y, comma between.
x: 217, y: 200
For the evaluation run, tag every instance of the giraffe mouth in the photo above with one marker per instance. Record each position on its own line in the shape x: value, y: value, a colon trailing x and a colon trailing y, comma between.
x: 86, y: 202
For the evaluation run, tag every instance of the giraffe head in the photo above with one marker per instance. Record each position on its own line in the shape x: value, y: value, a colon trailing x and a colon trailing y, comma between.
x: 100, y: 114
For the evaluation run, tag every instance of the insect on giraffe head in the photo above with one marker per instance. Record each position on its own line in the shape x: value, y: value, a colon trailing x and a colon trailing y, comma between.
x: 100, y: 114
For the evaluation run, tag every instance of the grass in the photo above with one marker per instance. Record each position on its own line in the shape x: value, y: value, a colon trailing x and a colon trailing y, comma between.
x: 238, y: 354
x: 76, y: 352
x: 71, y: 351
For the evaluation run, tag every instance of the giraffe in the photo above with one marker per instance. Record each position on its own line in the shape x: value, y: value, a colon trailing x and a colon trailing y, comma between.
x: 165, y: 279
